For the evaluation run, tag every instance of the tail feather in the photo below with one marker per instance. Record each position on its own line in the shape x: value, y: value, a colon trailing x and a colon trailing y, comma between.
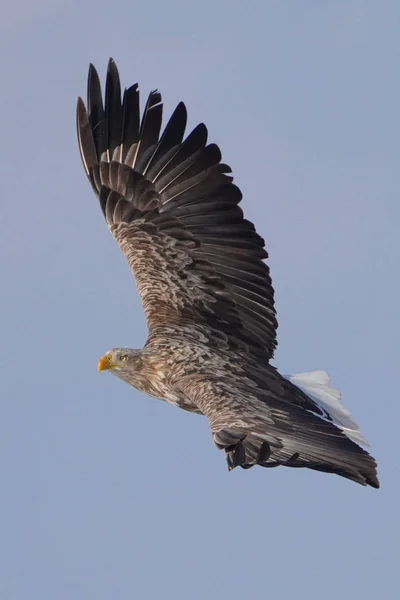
x: 316, y: 385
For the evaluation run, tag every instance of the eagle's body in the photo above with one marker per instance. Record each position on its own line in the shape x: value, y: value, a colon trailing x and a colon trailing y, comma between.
x: 206, y: 291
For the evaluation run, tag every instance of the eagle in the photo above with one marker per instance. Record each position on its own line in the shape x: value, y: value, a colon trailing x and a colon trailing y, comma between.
x: 206, y: 290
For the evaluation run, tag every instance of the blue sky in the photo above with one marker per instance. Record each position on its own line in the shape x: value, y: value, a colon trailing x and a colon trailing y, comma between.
x: 106, y: 493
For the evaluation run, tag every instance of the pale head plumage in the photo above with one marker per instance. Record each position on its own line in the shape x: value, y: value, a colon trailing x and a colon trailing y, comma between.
x: 120, y: 359
x: 126, y: 364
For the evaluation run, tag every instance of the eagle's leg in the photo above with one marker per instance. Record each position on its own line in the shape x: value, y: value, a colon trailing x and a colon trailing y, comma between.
x: 241, y: 450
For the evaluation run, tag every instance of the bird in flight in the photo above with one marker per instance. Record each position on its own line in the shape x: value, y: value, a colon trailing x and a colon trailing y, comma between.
x: 206, y: 290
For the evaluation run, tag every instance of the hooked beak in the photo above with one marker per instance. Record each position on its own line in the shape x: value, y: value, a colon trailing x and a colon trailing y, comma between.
x: 104, y: 363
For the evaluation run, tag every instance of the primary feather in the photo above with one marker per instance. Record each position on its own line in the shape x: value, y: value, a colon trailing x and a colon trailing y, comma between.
x: 206, y: 291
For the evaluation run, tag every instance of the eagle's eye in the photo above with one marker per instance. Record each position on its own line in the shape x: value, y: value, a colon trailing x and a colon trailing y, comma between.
x: 123, y: 357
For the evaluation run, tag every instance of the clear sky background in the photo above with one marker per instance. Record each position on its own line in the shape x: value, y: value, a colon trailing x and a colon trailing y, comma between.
x: 106, y: 494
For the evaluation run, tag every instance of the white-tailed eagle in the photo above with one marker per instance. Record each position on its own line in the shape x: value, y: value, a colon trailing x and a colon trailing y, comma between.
x: 206, y: 291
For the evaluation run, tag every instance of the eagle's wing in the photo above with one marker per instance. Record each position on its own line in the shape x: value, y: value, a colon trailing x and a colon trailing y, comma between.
x: 259, y: 417
x: 174, y: 211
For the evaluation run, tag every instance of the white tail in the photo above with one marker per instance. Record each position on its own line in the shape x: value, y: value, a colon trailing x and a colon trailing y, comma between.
x: 315, y: 385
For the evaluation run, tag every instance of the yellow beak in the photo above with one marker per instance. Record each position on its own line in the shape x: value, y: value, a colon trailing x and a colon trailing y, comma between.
x: 104, y: 363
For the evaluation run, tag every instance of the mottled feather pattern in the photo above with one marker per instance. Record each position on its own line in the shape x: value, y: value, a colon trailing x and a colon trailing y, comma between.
x: 191, y: 188
x: 206, y: 289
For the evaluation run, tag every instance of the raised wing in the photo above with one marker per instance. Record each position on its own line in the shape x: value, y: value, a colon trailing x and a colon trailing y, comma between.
x: 174, y: 211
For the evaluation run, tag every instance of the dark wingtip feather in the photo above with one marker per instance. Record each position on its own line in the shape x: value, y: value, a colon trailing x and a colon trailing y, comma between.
x: 112, y: 71
x: 93, y: 87
x: 372, y: 478
x: 113, y: 108
x: 95, y: 111
x: 86, y: 142
x: 81, y: 124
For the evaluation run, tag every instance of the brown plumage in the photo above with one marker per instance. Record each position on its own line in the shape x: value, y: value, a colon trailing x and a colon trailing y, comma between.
x: 206, y: 290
